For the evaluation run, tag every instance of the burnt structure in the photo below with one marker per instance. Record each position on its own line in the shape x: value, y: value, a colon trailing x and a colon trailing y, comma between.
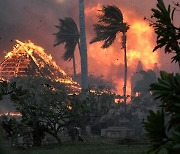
x: 29, y: 59
x: 138, y: 76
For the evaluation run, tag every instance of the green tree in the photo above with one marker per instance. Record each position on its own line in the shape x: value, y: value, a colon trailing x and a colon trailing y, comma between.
x: 6, y: 88
x: 168, y: 91
x: 97, y: 83
x: 69, y: 34
x: 168, y: 35
x: 111, y: 23
x: 165, y: 135
x: 43, y: 106
x: 144, y: 102
x: 156, y: 131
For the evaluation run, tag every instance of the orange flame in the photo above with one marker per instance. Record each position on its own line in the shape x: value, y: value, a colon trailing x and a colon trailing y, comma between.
x: 32, y: 51
x: 109, y: 62
x: 69, y: 107
x: 13, y: 114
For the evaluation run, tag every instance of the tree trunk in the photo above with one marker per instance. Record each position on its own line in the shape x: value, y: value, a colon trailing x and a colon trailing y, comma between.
x: 55, y: 135
x: 83, y: 47
x: 57, y: 138
x: 38, y: 133
x: 74, y: 66
x: 125, y: 68
x: 37, y: 141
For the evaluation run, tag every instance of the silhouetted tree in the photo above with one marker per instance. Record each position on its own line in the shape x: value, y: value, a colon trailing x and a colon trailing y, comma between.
x: 43, y: 106
x: 168, y: 35
x: 165, y: 137
x: 68, y: 34
x: 110, y: 23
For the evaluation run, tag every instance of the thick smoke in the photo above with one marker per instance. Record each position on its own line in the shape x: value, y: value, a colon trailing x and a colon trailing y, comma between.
x: 35, y: 19
x: 31, y: 20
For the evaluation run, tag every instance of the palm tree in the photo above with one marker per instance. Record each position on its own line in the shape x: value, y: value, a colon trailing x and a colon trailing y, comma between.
x: 69, y: 34
x: 83, y: 46
x: 111, y: 23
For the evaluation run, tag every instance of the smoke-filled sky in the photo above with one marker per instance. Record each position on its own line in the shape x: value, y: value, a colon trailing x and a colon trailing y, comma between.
x: 35, y: 20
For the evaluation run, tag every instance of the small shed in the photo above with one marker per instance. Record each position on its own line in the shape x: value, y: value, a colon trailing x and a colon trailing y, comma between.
x: 117, y: 132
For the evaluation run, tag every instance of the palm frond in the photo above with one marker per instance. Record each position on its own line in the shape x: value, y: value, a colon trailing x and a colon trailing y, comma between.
x: 70, y: 48
x: 156, y: 130
x: 109, y: 24
x: 112, y: 13
x: 68, y: 34
x: 167, y: 33
x: 168, y: 91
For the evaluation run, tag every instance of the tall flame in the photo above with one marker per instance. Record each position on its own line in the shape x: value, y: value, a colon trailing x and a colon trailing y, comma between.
x: 109, y: 62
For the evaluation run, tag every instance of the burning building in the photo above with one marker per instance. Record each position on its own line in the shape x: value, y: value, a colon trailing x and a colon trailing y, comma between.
x: 30, y: 59
x: 137, y: 76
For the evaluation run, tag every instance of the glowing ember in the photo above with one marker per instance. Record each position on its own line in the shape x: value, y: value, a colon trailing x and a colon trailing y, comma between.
x: 69, y: 107
x: 13, y: 114
x: 9, y: 54
x: 117, y: 100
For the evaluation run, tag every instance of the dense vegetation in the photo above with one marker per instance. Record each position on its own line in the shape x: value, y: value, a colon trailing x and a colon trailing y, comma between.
x: 163, y: 126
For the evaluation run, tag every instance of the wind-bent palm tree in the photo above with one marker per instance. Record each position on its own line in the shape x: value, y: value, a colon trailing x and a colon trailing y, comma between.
x: 111, y: 23
x: 69, y: 35
x: 83, y: 46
